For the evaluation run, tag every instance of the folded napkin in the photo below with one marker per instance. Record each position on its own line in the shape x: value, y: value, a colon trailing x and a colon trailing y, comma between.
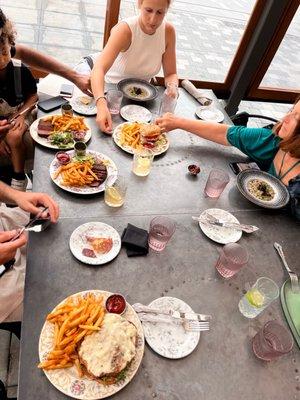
x: 193, y: 91
x: 135, y: 240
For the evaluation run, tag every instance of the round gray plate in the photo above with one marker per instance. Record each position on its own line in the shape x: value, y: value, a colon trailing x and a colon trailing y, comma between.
x: 281, y: 197
x: 126, y: 86
x: 135, y: 113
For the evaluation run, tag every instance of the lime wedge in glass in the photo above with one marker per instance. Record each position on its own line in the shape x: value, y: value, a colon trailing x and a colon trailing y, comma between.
x: 255, y: 298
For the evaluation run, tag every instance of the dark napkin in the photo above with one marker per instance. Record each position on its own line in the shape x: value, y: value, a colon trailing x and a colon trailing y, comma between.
x: 135, y: 240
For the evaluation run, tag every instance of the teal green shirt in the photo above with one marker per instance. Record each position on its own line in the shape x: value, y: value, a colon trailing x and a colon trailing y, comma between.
x: 260, y: 144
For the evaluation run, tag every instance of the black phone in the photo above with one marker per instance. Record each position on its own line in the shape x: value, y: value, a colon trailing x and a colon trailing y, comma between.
x: 51, y: 104
x: 237, y: 167
x: 66, y: 90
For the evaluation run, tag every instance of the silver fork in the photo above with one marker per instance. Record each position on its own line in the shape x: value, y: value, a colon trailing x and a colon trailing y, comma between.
x: 292, y: 274
x: 195, y: 326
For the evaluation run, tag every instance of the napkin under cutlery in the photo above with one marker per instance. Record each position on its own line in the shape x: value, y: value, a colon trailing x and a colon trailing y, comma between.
x: 193, y: 91
x: 142, y: 309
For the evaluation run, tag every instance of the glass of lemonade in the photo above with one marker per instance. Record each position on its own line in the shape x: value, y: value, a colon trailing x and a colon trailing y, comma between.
x: 142, y: 161
x: 262, y: 293
x: 115, y: 191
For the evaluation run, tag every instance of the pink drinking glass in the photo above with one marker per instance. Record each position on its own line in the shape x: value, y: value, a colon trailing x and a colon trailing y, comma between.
x: 272, y: 341
x: 114, y: 99
x: 216, y: 183
x: 161, y: 231
x: 232, y: 258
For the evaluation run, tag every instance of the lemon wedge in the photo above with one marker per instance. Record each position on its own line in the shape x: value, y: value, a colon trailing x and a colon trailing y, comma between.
x: 113, y: 194
x: 255, y: 298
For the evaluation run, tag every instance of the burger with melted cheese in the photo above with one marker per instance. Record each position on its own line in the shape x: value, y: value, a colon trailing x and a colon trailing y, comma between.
x: 106, y: 353
x: 150, y: 134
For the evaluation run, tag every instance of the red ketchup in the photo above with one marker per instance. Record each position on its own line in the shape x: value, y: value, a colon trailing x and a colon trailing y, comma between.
x: 62, y: 157
x: 115, y: 304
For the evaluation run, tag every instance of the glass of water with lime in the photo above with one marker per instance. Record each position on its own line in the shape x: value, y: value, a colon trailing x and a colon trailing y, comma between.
x: 261, y: 294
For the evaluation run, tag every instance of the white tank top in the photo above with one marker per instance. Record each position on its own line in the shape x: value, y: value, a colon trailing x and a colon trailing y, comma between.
x: 143, y: 59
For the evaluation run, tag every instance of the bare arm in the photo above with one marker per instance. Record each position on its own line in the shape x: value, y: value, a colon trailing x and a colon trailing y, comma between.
x: 46, y: 63
x: 207, y: 130
x: 169, y: 57
x: 119, y: 40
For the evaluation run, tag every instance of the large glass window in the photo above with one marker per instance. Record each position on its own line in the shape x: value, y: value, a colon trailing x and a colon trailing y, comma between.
x: 284, y: 71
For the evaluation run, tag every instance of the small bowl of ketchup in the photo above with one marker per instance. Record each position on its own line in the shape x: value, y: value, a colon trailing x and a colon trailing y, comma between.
x: 62, y: 157
x: 115, y: 304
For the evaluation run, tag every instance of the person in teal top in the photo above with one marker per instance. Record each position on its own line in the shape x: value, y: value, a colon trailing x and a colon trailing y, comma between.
x: 276, y: 151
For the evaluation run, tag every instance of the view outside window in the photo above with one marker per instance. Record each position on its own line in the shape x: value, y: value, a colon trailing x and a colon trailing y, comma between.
x: 284, y: 70
x: 208, y: 34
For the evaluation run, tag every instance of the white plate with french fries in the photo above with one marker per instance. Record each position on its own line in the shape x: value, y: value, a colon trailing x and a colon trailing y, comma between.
x: 77, y: 176
x: 68, y: 324
x: 95, y: 243
x: 62, y: 124
x: 127, y: 137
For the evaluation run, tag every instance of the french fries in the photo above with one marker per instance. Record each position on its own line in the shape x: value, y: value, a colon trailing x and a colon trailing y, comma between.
x: 63, y: 123
x: 130, y: 135
x: 76, y: 174
x: 72, y: 320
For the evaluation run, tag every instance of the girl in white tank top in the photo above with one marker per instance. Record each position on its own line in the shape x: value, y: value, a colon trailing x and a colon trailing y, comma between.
x: 137, y: 48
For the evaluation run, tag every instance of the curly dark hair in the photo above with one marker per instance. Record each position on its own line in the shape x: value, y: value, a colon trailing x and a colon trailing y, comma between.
x: 7, y: 30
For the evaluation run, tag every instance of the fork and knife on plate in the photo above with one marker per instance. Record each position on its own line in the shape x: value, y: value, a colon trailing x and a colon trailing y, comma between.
x: 191, y: 322
x: 212, y: 220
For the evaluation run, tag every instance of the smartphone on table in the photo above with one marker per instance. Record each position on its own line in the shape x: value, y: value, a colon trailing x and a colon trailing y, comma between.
x: 51, y: 104
x: 66, y: 90
x: 237, y: 167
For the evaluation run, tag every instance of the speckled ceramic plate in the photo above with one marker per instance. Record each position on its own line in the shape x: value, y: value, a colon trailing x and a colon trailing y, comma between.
x: 78, y: 242
x: 220, y: 234
x: 84, y: 109
x: 112, y: 173
x: 281, y: 197
x: 67, y: 380
x: 131, y: 88
x: 135, y: 113
x: 161, y: 148
x: 170, y: 340
x: 210, y: 114
x: 46, y: 143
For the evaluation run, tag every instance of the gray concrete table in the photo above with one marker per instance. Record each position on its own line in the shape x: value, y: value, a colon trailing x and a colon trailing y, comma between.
x: 223, y: 365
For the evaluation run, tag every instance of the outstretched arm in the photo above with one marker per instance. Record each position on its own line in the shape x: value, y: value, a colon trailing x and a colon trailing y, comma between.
x: 206, y: 130
x: 49, y: 64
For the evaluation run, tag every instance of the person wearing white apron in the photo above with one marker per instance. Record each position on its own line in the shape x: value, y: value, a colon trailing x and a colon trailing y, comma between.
x: 18, y: 91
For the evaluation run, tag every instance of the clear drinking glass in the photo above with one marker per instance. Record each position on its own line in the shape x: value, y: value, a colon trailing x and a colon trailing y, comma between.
x: 142, y: 161
x: 232, y: 258
x: 261, y: 294
x: 216, y: 183
x: 115, y: 191
x: 161, y: 231
x: 168, y: 101
x: 114, y: 99
x: 272, y: 341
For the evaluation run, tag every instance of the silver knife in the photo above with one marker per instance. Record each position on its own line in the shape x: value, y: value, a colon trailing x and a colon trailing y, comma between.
x: 140, y: 308
x: 239, y: 227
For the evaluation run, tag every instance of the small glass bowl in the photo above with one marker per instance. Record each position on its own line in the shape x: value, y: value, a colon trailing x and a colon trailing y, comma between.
x: 194, y: 169
x: 116, y: 304
x: 62, y: 157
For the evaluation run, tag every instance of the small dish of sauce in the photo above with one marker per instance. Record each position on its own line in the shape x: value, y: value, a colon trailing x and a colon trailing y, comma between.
x: 115, y: 304
x: 62, y: 157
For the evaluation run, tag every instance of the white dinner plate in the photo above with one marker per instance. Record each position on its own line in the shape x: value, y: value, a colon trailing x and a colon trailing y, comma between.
x: 135, y: 113
x: 78, y: 242
x: 112, y: 173
x: 220, y: 234
x: 159, y: 149
x: 84, y: 109
x: 210, y: 114
x: 44, y: 142
x: 170, y: 340
x: 67, y: 381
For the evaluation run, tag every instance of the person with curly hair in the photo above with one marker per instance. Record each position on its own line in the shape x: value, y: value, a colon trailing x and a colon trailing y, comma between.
x: 18, y: 91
